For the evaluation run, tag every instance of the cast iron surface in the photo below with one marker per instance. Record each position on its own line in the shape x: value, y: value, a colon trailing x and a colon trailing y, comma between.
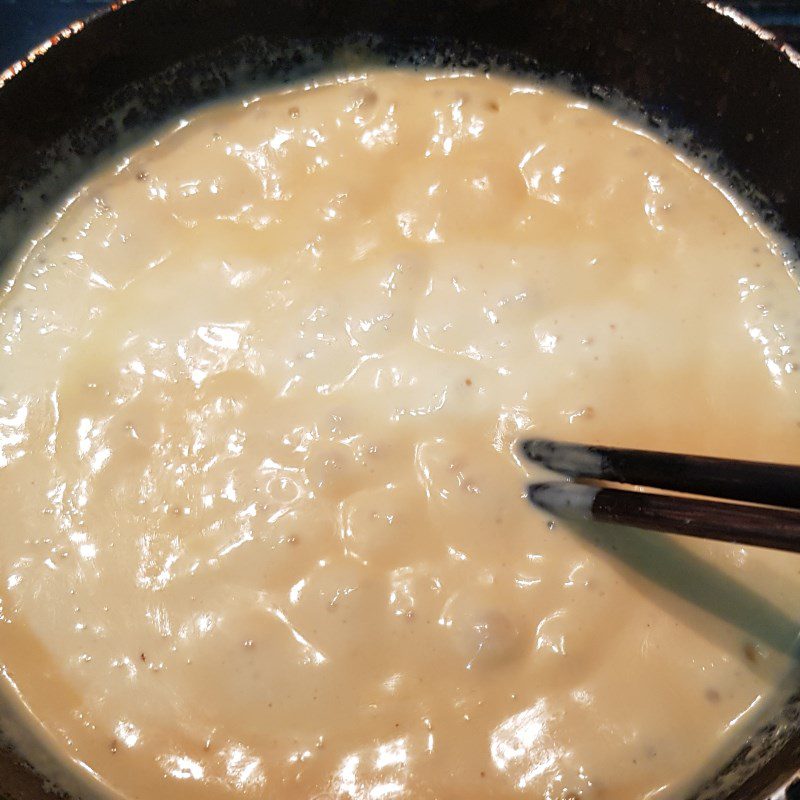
x: 26, y: 23
x: 681, y: 62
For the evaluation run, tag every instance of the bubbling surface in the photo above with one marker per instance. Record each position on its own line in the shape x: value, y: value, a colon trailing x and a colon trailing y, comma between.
x: 263, y: 529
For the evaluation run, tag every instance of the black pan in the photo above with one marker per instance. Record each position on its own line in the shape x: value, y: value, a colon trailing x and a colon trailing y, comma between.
x: 694, y: 66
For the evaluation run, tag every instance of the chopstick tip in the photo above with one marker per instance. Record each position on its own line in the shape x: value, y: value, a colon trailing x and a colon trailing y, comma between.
x: 562, y: 498
x: 567, y: 458
x: 538, y: 450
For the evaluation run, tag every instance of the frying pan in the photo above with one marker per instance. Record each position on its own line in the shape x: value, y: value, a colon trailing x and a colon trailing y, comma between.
x: 697, y: 68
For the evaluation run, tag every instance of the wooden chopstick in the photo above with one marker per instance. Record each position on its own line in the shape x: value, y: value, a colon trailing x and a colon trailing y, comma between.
x: 746, y: 481
x: 763, y: 526
x: 766, y: 496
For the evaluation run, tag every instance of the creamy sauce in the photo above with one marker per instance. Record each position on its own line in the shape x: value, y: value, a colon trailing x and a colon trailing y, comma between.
x: 263, y: 522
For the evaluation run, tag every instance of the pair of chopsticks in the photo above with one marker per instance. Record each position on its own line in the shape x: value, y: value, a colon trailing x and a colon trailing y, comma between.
x: 746, y: 502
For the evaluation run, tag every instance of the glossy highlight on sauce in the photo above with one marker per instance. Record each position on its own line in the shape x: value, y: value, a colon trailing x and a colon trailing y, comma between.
x: 264, y: 532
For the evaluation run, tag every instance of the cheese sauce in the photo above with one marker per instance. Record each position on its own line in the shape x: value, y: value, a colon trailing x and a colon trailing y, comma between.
x: 263, y: 528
